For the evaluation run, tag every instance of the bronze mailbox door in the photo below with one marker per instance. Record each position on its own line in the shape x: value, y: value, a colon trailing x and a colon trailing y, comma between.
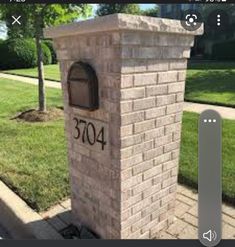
x: 83, y: 86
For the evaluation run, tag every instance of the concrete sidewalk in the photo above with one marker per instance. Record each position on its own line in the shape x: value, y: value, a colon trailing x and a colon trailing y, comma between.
x: 225, y: 112
x: 30, y: 80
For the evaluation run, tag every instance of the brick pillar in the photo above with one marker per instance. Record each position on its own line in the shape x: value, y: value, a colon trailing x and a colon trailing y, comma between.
x: 128, y: 189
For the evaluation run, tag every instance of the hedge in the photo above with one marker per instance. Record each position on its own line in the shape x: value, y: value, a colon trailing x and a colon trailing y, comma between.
x: 224, y: 50
x: 49, y: 44
x: 21, y: 53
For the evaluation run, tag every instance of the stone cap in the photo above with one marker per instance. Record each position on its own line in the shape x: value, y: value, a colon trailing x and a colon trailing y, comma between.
x: 120, y: 22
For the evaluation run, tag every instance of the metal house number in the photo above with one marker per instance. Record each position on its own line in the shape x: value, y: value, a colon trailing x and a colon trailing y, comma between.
x: 88, y: 133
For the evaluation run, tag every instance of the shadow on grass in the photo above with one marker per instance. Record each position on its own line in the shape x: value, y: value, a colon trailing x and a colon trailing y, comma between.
x: 211, y: 86
x: 211, y: 65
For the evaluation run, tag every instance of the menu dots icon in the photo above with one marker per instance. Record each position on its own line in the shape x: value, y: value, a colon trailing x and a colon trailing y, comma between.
x: 218, y: 20
x: 209, y: 120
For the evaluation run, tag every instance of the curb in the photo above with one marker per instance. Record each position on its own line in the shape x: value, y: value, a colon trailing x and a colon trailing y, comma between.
x: 20, y: 220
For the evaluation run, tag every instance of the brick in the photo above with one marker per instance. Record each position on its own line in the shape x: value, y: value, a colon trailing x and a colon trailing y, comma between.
x: 126, y: 174
x: 132, y: 93
x: 126, y: 106
x: 176, y: 87
x: 156, y: 170
x: 147, y: 52
x: 130, y: 38
x: 131, y: 201
x: 155, y: 112
x: 166, y: 77
x: 151, y: 190
x: 156, y: 90
x: 178, y: 64
x: 172, y: 128
x: 169, y: 165
x: 162, y: 158
x: 127, y: 81
x: 145, y: 79
x: 150, y: 154
x: 157, y: 65
x: 143, y: 166
x: 143, y: 126
x: 181, y: 75
x: 130, y: 221
x: 179, y: 97
x: 161, y: 121
x: 129, y: 183
x: 126, y: 163
x: 174, y: 108
x: 132, y: 140
x: 142, y: 104
x: 141, y: 187
x: 126, y: 130
x: 160, y: 141
x: 144, y: 146
x: 154, y: 206
x: 165, y: 100
x: 171, y: 146
x: 152, y: 134
x: 168, y: 182
x: 138, y: 225
x: 132, y: 118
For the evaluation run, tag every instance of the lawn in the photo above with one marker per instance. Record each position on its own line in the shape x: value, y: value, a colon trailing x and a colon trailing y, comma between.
x: 51, y: 72
x: 32, y: 155
x: 212, y: 83
x: 189, y: 155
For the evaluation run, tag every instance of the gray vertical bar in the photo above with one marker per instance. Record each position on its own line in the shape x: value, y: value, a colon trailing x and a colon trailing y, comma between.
x: 209, y: 178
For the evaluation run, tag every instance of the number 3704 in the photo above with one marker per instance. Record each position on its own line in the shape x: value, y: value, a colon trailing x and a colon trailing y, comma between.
x: 86, y: 131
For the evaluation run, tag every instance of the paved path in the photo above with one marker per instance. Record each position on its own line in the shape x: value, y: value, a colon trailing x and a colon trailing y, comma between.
x: 29, y: 80
x: 186, y: 218
x: 184, y: 226
x: 225, y: 112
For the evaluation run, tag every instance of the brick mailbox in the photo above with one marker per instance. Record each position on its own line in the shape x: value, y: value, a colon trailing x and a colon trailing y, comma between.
x: 123, y: 80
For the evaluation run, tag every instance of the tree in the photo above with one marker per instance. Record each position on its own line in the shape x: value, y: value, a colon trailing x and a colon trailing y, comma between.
x: 35, y: 17
x: 108, y: 9
x: 153, y: 12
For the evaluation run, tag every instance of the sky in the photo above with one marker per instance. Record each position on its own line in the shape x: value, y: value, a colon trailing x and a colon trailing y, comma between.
x: 142, y: 6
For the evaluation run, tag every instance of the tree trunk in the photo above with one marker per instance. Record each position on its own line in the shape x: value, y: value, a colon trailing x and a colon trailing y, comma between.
x: 41, y: 84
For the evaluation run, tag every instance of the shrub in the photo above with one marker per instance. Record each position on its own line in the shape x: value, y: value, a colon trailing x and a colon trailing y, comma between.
x: 49, y: 44
x: 47, y: 58
x: 21, y: 53
x: 17, y: 53
x: 224, y: 50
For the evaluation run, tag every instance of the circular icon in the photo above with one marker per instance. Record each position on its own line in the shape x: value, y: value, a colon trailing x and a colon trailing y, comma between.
x: 191, y: 20
x: 218, y: 19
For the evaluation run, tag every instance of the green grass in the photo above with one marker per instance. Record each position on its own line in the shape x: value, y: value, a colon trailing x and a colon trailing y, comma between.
x: 212, y: 83
x: 52, y: 72
x: 33, y: 158
x: 189, y: 155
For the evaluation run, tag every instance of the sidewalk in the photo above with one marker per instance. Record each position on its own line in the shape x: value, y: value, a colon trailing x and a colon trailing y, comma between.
x: 184, y: 226
x: 30, y: 80
x: 225, y: 112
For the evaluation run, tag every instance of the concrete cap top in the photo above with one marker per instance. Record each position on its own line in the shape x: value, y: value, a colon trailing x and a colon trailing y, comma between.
x: 120, y: 22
